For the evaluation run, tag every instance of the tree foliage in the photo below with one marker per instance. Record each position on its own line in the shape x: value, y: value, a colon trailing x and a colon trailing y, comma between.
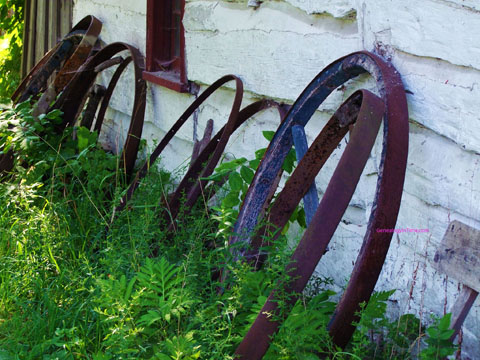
x: 11, y: 40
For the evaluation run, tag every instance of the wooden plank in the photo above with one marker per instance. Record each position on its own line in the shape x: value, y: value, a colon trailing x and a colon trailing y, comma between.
x: 53, y: 28
x: 198, y: 146
x: 458, y: 255
x: 46, y: 22
x: 46, y: 27
x: 32, y: 35
x: 52, y: 23
x: 58, y: 20
x: 26, y: 28
x: 40, y: 30
x: 65, y: 14
x: 461, y: 308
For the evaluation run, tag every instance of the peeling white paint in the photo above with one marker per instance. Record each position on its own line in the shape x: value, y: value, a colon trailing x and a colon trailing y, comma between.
x: 337, y: 8
x: 427, y: 28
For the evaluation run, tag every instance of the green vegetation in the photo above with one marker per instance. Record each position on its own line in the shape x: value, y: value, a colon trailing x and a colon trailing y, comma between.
x: 70, y: 289
x: 11, y: 35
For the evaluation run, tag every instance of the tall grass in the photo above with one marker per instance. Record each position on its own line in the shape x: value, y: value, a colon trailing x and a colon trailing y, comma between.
x: 71, y: 289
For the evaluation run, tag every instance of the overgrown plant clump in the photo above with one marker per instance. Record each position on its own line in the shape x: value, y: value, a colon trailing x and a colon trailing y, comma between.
x: 71, y: 289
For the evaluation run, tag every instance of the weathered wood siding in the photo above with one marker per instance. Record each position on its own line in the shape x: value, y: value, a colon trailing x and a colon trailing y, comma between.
x: 46, y: 22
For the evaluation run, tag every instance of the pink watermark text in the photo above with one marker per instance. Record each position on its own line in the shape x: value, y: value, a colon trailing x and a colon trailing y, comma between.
x: 403, y: 230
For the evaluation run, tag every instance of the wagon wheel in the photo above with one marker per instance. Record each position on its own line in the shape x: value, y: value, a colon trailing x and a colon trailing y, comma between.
x: 72, y: 51
x: 367, y: 111
x: 75, y: 94
x: 208, y: 158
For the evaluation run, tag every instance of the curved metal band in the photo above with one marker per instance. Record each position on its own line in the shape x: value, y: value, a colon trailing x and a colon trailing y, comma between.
x: 74, y: 49
x: 298, y: 184
x: 210, y: 155
x: 92, y: 27
x: 340, y: 189
x: 109, y: 92
x: 36, y: 79
x: 74, y: 52
x: 74, y: 96
x: 178, y: 124
x: 213, y: 151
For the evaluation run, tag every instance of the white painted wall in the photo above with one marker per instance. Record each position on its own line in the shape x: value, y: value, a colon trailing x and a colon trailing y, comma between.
x: 278, y: 48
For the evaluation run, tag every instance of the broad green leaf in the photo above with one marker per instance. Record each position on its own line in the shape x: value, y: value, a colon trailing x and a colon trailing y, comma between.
x: 254, y: 164
x: 235, y: 181
x: 289, y: 161
x: 230, y: 165
x: 247, y: 174
x: 446, y: 334
x: 433, y: 333
x: 259, y: 153
x: 218, y: 176
x: 268, y: 135
x: 54, y: 114
x: 231, y: 200
x: 444, y: 322
x: 85, y: 138
x: 302, y: 221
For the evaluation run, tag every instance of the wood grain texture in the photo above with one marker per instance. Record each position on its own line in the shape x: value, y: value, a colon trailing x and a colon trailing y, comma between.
x: 458, y: 255
x: 461, y: 308
x: 46, y: 22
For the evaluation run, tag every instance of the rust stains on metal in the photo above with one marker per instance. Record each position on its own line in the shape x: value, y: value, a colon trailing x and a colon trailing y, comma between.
x: 203, y: 165
x: 72, y: 51
x: 95, y: 96
x: 368, y: 111
x: 82, y: 60
x: 73, y: 47
x: 74, y: 96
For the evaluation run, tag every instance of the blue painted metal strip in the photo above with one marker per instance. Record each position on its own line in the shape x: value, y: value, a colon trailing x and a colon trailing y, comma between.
x: 310, y: 200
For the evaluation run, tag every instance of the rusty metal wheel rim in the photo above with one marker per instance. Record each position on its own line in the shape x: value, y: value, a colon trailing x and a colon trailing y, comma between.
x: 387, y: 197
